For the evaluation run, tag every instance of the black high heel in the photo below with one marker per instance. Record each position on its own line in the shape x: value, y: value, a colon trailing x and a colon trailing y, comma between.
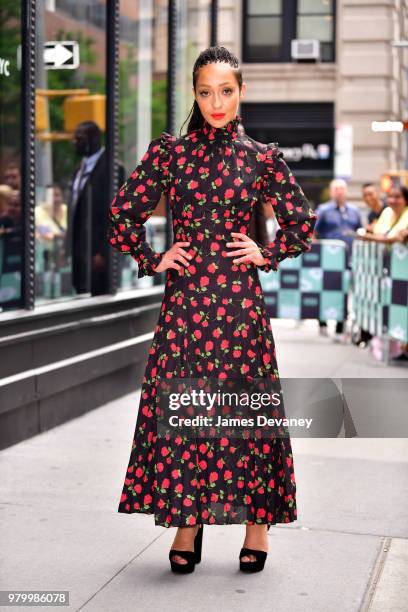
x: 192, y: 557
x: 252, y: 566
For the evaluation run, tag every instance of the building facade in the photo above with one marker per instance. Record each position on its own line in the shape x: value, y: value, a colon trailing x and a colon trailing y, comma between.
x: 360, y: 77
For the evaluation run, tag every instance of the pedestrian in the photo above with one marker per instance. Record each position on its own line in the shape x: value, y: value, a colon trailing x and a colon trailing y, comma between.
x: 393, y: 221
x: 391, y: 227
x: 85, y: 238
x: 213, y: 322
x: 337, y: 219
x: 375, y: 203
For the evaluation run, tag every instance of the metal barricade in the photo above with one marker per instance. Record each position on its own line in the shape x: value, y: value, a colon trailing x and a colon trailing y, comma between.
x: 313, y: 285
x: 380, y: 289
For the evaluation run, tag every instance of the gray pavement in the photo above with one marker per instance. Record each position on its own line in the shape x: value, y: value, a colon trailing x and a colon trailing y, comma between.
x: 348, y: 551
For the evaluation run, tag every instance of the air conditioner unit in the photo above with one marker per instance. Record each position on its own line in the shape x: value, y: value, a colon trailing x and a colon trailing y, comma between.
x: 305, y: 49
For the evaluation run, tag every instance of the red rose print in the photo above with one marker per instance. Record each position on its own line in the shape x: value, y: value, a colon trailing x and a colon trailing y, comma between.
x: 212, y: 323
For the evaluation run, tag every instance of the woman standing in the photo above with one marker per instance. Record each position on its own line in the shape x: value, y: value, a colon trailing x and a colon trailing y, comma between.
x: 390, y: 227
x: 213, y: 322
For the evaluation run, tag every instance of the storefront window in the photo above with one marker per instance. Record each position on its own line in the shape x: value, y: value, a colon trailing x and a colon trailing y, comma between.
x: 11, y: 213
x: 71, y: 166
x: 143, y: 110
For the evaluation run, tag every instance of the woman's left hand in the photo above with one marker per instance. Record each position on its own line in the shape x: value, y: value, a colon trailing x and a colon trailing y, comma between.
x: 247, y: 248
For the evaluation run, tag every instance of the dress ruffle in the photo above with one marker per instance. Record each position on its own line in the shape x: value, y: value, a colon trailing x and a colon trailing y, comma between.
x: 165, y: 150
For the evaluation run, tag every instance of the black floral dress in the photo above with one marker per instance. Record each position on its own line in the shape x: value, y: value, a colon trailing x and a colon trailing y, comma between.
x: 212, y: 322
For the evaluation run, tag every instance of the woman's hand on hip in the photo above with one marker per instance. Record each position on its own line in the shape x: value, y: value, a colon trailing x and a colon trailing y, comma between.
x: 247, y: 248
x: 173, y: 255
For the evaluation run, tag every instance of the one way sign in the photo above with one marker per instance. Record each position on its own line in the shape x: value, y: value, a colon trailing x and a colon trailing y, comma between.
x: 61, y: 54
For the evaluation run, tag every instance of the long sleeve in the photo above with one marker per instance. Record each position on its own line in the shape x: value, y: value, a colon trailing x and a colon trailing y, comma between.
x: 135, y: 202
x: 295, y: 217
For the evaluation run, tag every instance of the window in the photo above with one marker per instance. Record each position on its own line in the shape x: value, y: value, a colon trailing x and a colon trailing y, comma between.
x: 193, y: 36
x: 264, y: 22
x: 314, y: 19
x: 269, y: 26
x: 11, y: 211
x: 71, y: 163
x: 142, y: 111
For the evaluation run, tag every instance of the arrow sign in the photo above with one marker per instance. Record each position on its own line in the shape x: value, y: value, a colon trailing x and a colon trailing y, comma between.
x: 60, y: 54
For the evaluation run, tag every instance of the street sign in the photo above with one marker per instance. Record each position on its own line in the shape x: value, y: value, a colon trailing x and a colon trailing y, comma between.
x: 61, y: 54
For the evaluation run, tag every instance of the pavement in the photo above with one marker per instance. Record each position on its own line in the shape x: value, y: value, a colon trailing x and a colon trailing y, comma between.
x: 348, y: 551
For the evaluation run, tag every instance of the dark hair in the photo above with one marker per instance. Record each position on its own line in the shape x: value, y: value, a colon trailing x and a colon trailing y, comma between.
x: 404, y: 192
x: 93, y: 133
x: 368, y: 185
x: 210, y: 56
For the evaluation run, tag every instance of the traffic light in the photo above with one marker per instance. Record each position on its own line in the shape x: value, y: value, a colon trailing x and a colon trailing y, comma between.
x: 79, y: 105
x: 42, y: 118
x: 84, y: 108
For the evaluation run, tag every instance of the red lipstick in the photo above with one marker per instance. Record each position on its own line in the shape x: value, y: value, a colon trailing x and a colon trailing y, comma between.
x: 218, y: 115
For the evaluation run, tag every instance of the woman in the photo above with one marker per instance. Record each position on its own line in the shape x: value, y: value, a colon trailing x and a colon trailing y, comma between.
x: 213, y: 321
x: 390, y: 227
x: 51, y: 217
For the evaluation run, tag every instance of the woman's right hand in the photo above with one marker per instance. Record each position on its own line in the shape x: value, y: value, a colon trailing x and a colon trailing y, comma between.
x: 175, y: 253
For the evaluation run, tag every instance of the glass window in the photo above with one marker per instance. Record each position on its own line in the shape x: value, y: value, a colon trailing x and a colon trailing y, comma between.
x: 313, y: 26
x: 315, y: 6
x: 194, y: 35
x: 271, y: 25
x: 142, y: 110
x: 72, y: 190
x: 264, y: 7
x: 315, y: 20
x: 264, y: 38
x: 263, y: 30
x: 11, y: 214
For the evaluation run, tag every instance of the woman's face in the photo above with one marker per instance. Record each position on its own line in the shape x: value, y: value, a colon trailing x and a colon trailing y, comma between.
x: 57, y: 197
x: 217, y: 93
x: 395, y: 199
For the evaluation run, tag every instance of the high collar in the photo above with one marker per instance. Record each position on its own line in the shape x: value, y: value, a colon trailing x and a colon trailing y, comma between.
x: 226, y: 133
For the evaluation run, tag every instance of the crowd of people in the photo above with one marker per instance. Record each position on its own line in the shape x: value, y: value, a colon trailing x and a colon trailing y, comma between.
x: 386, y: 222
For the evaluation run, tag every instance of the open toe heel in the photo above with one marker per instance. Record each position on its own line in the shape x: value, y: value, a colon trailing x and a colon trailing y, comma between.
x: 192, y: 557
x: 252, y: 566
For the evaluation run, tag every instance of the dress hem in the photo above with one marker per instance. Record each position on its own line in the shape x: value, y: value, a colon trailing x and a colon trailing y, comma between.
x: 292, y: 519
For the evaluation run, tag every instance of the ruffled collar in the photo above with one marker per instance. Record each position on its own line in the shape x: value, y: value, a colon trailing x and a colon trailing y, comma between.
x: 226, y: 133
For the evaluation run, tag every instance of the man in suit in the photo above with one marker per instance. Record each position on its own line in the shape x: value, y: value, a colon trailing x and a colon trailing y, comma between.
x: 88, y: 206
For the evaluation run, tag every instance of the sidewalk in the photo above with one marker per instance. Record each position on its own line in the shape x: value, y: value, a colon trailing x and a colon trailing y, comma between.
x: 348, y: 551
